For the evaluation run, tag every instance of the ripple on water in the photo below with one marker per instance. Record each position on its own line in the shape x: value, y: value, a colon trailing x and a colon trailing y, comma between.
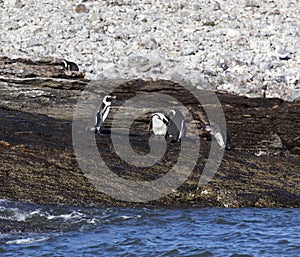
x: 72, y: 231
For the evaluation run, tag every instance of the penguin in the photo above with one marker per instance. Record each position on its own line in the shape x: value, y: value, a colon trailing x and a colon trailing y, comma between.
x: 159, y: 124
x: 103, y: 112
x: 220, y: 135
x: 70, y: 66
x: 176, y: 127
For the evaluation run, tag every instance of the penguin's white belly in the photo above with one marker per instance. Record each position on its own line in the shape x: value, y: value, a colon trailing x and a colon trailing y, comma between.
x: 105, y: 112
x: 220, y: 139
x: 159, y: 127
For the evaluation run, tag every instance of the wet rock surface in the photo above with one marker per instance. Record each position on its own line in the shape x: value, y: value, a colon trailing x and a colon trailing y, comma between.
x: 38, y: 164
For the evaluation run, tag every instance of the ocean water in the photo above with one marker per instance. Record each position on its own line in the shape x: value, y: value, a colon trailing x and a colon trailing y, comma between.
x: 34, y: 230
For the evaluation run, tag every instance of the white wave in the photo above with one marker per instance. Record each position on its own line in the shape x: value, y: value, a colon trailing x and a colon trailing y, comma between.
x: 92, y: 221
x: 38, y: 211
x: 21, y: 216
x: 17, y: 214
x: 29, y: 240
x: 69, y: 216
x: 125, y: 217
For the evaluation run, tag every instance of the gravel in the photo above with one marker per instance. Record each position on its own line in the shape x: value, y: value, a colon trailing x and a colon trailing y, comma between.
x: 243, y: 47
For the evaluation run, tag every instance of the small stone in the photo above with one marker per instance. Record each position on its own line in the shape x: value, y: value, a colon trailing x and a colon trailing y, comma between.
x: 11, y: 25
x: 150, y: 44
x: 197, y: 6
x: 267, y: 65
x: 226, y: 61
x: 216, y: 6
x: 251, y: 3
x: 296, y: 96
x: 81, y: 8
x: 209, y: 23
x: 5, y: 144
x: 188, y: 49
x: 229, y: 88
x: 18, y: 4
x: 233, y: 33
x: 280, y: 79
x: 137, y: 60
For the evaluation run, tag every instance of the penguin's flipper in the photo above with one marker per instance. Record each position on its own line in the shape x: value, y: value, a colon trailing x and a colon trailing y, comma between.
x: 228, y: 145
x: 99, y: 122
x: 149, y: 126
x: 166, y: 120
x: 182, y: 130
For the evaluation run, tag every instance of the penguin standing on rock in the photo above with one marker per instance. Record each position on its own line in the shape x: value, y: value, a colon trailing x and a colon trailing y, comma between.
x: 220, y: 135
x: 71, y: 69
x: 159, y: 124
x: 176, y: 128
x: 103, y: 112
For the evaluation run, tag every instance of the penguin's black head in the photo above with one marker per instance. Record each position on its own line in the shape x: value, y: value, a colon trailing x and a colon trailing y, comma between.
x: 108, y: 98
x: 64, y: 63
x: 172, y: 113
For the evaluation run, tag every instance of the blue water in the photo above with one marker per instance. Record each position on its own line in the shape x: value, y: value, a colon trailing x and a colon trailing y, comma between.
x: 65, y: 231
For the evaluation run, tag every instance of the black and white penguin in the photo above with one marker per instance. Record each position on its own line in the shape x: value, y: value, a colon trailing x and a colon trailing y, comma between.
x: 176, y: 128
x: 103, y: 112
x: 220, y: 135
x: 70, y: 66
x: 158, y: 124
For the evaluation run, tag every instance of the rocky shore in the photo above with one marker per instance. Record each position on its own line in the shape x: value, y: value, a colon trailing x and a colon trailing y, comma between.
x: 37, y: 161
x: 243, y: 47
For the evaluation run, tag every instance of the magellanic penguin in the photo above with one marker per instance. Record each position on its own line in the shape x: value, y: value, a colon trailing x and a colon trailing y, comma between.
x: 70, y: 66
x: 176, y: 128
x: 159, y: 124
x: 220, y: 135
x: 103, y: 112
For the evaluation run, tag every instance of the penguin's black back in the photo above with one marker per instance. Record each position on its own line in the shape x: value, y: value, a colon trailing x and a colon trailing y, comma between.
x: 176, y: 125
x: 71, y: 66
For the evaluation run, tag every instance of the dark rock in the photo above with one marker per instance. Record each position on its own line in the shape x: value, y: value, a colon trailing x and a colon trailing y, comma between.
x: 43, y: 67
x: 209, y: 23
x: 37, y: 161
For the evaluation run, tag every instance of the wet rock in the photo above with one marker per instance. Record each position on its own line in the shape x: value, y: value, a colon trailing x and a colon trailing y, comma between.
x: 41, y: 67
x: 38, y: 163
x: 5, y: 144
x: 273, y: 145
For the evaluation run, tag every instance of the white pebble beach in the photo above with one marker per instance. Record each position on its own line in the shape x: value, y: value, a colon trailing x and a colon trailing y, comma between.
x: 243, y: 47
